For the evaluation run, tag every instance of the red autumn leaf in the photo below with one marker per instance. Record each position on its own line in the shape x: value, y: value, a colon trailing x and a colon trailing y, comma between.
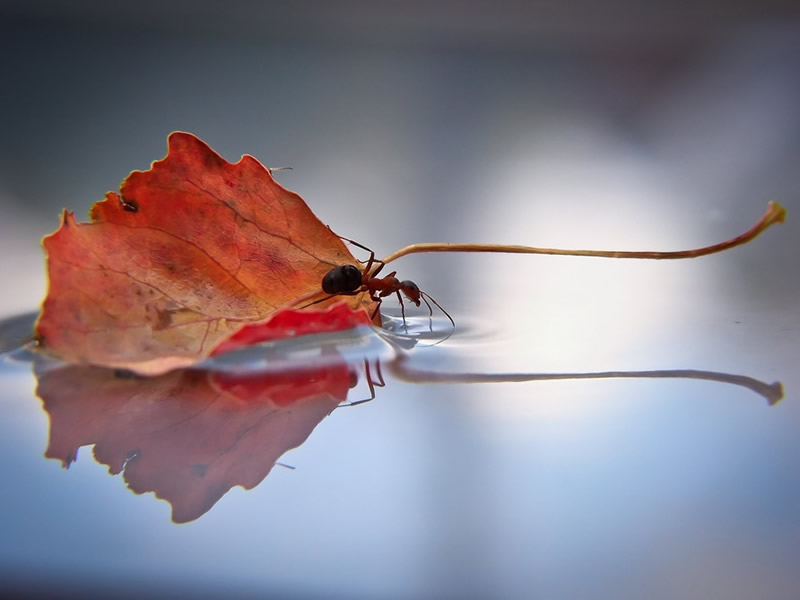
x: 189, y: 436
x: 183, y: 257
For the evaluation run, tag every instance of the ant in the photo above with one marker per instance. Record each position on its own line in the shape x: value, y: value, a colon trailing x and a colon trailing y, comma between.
x: 349, y: 280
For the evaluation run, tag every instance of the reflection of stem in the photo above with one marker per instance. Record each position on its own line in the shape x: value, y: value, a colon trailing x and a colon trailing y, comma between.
x: 775, y: 213
x: 771, y: 392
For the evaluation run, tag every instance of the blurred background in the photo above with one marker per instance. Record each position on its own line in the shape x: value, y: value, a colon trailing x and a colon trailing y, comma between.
x: 626, y: 125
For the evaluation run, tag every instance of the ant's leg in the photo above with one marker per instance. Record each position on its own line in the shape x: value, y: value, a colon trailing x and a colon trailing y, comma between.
x: 369, y: 379
x: 355, y: 243
x: 371, y: 261
x: 316, y: 301
x: 380, y: 264
x: 377, y: 307
x: 381, y: 382
x: 402, y: 310
x: 370, y: 383
x: 328, y: 298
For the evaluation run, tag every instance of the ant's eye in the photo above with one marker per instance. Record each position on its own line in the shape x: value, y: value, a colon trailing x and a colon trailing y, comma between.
x: 341, y: 280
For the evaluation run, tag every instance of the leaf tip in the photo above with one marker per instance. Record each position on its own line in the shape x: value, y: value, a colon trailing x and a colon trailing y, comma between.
x: 184, y: 146
x: 179, y: 138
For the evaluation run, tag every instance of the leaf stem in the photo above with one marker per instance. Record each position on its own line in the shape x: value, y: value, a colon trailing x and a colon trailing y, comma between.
x: 775, y: 213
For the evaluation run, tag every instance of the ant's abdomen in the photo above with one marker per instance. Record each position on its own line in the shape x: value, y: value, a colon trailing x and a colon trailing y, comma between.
x: 341, y: 280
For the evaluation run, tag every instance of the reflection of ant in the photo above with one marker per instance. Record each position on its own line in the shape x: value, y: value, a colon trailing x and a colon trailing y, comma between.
x: 372, y: 384
x: 349, y: 280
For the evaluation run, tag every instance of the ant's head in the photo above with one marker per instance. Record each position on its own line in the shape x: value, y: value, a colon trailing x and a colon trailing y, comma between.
x: 410, y: 291
x: 341, y: 280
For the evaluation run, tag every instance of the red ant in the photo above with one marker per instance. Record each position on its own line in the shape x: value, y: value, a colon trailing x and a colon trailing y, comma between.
x: 349, y: 280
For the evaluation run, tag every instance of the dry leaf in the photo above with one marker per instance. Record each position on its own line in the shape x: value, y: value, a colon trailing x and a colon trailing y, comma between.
x: 183, y: 257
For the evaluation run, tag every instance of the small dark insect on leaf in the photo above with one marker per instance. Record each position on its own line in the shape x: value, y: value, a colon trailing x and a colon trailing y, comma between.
x: 129, y: 205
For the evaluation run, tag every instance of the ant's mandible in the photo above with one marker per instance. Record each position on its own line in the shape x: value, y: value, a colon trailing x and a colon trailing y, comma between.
x: 349, y: 280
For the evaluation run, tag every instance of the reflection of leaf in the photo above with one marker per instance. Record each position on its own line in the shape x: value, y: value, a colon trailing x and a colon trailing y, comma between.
x: 180, y: 259
x: 189, y: 436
